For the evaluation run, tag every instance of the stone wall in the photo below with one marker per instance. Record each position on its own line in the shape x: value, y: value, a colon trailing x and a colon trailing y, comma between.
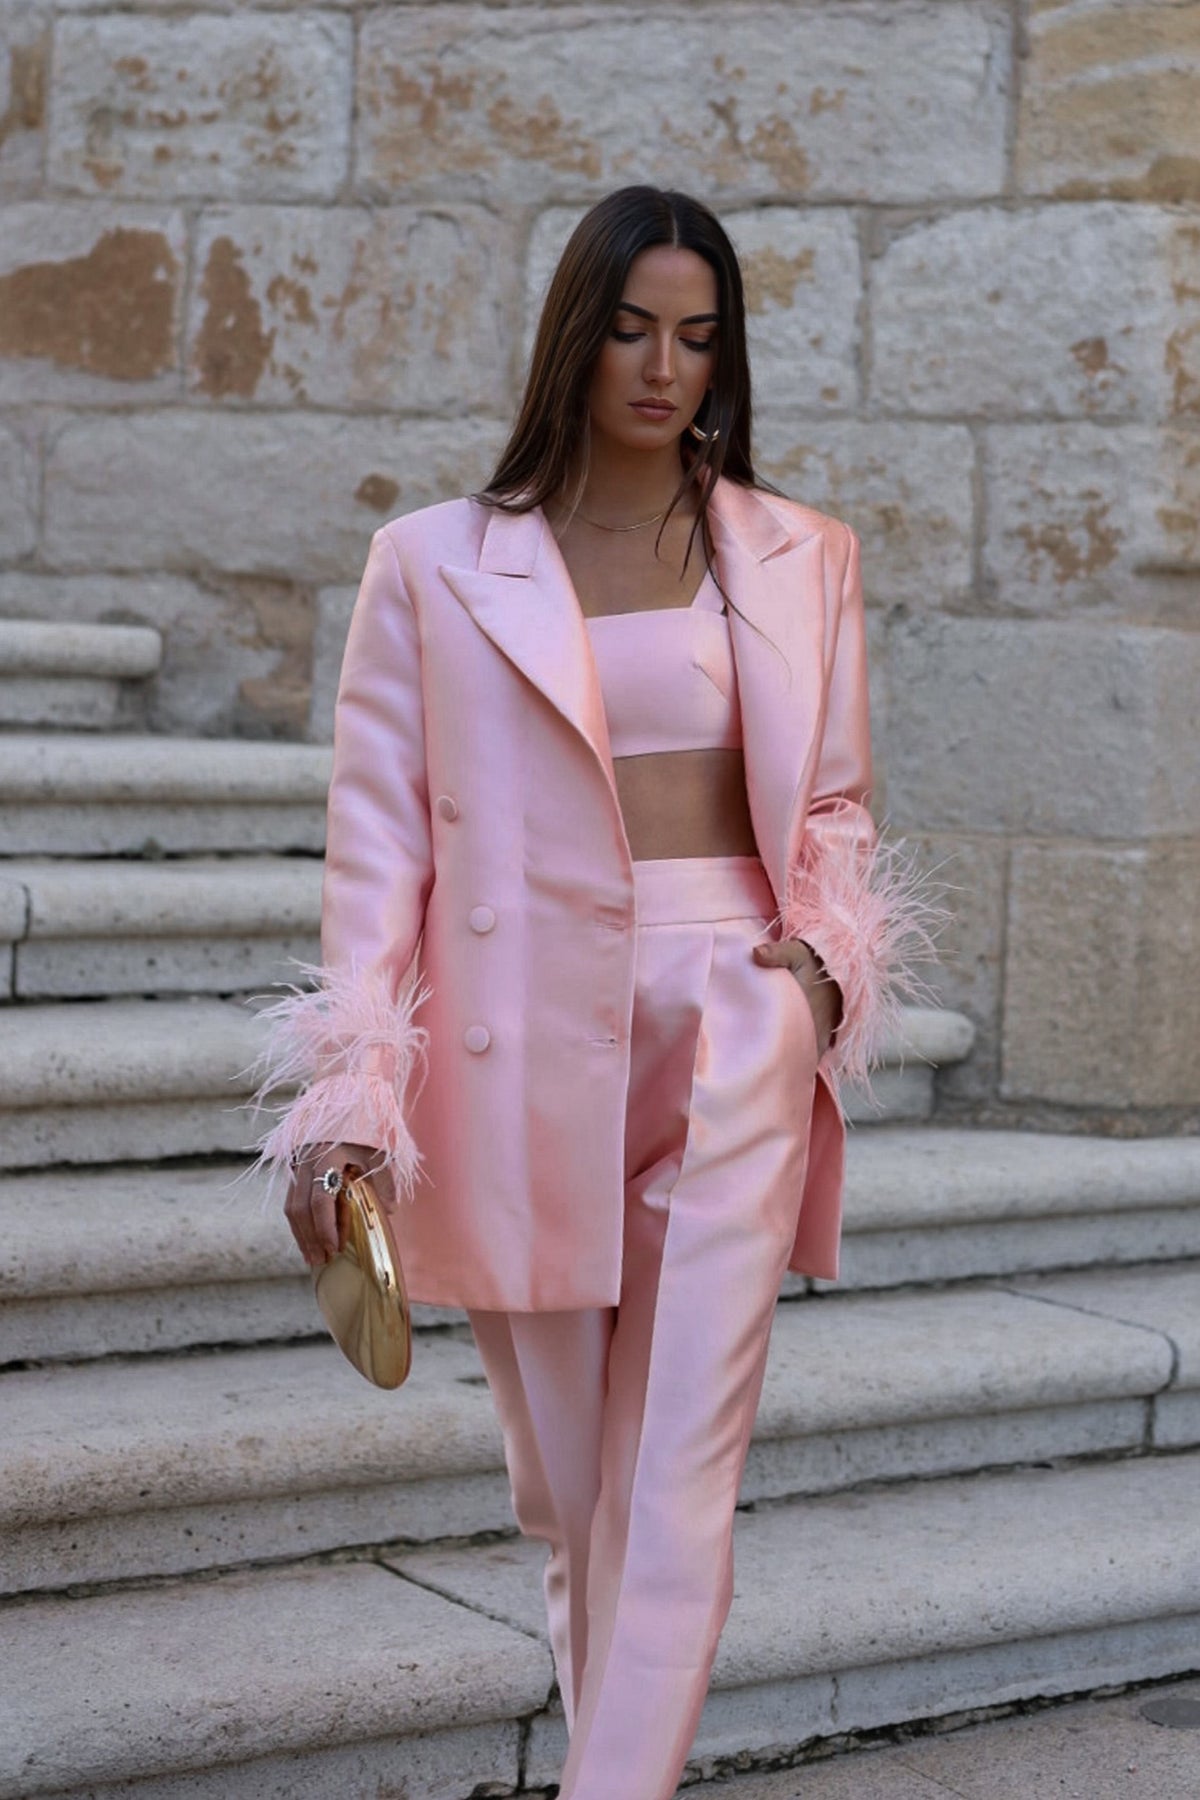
x: 267, y: 274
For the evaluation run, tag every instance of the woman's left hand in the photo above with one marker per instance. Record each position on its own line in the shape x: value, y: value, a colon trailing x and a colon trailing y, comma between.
x: 822, y: 992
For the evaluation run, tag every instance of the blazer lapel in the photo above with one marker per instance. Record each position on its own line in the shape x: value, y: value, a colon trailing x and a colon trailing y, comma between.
x: 522, y: 597
x: 777, y: 576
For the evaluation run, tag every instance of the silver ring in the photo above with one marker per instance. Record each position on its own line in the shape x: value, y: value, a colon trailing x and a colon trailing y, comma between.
x: 332, y: 1181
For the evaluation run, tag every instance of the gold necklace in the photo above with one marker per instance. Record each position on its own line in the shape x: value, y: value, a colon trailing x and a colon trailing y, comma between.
x: 640, y: 526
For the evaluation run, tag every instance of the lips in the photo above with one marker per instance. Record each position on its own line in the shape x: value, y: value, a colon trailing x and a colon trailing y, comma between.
x: 653, y: 409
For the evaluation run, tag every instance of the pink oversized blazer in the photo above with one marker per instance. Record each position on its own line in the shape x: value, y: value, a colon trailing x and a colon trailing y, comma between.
x: 472, y: 1016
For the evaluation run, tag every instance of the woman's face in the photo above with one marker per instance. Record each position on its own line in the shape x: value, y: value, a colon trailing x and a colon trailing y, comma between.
x: 662, y: 348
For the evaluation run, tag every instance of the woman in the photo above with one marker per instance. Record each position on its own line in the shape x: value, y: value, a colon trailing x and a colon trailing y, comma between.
x: 605, y: 921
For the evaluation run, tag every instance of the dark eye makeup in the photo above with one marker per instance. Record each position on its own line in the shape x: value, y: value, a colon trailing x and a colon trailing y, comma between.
x: 629, y: 337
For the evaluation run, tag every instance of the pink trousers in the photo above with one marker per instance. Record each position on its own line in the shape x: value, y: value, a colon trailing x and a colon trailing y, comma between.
x: 626, y: 1429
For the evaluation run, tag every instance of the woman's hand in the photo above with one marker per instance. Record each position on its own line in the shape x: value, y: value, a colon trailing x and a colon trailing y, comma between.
x: 822, y: 992
x: 311, y: 1212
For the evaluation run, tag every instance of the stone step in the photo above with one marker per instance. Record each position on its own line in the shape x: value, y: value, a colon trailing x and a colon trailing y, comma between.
x: 855, y: 1612
x: 97, y: 1262
x: 123, y: 1080
x: 297, y: 1684
x: 165, y: 1465
x: 135, y: 1259
x: 945, y: 1204
x: 66, y: 795
x: 139, y: 1080
x: 425, y: 1672
x: 224, y: 925
x: 931, y: 1038
x: 69, y: 677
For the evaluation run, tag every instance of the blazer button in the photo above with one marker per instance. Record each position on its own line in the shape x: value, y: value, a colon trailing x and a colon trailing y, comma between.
x: 447, y: 807
x: 477, y: 1038
x: 481, y: 918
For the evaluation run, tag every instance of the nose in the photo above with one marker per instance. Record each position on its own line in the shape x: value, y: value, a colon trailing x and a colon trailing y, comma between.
x: 660, y: 358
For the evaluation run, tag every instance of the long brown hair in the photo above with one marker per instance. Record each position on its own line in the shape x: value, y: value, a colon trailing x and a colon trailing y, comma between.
x: 577, y: 316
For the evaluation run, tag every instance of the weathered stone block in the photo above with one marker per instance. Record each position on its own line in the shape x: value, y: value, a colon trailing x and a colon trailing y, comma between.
x: 840, y: 101
x: 236, y: 649
x: 37, y: 648
x: 1164, y: 1301
x: 210, y: 6
x: 1059, y: 309
x: 14, y: 908
x: 285, y: 7
x: 803, y: 290
x: 25, y: 32
x: 90, y: 301
x: 62, y: 703
x: 334, y: 607
x: 395, y: 307
x: 1087, y: 517
x: 251, y: 106
x: 972, y: 871
x: 280, y: 494
x: 98, y: 967
x: 469, y: 1676
x: 18, y: 521
x: 877, y: 669
x: 148, y: 828
x: 1047, y: 728
x: 1181, y: 351
x: 547, y: 241
x: 1100, y: 987
x: 905, y: 488
x: 1108, y: 100
x: 970, y: 1619
x: 803, y: 281
x: 190, y: 897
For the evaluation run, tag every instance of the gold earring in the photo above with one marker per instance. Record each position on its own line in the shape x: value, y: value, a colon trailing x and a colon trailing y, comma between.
x: 705, y: 437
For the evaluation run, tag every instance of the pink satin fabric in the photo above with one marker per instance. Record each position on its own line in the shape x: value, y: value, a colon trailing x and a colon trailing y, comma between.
x: 626, y: 1429
x: 667, y: 676
x: 476, y: 850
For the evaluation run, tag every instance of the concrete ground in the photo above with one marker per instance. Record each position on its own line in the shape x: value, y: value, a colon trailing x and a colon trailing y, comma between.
x: 1085, y: 1750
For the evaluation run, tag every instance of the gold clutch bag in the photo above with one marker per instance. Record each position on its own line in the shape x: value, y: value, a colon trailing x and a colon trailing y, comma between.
x: 360, y: 1290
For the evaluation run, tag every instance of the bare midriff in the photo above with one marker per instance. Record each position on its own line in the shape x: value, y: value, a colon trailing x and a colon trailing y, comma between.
x: 685, y: 803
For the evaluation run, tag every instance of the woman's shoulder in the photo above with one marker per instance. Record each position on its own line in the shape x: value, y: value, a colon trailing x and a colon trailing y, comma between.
x: 441, y: 525
x: 798, y: 516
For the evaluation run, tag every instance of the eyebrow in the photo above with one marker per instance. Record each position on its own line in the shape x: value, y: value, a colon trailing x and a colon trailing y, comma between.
x: 693, y: 319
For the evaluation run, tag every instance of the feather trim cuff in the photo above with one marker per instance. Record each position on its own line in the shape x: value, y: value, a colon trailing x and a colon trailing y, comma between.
x: 351, y: 1048
x: 871, y: 916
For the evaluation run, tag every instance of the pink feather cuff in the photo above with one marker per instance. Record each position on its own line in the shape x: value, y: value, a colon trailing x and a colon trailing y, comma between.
x: 871, y: 916
x: 351, y: 1048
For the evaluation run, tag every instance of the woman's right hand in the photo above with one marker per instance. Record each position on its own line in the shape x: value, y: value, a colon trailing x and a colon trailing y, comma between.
x: 311, y: 1212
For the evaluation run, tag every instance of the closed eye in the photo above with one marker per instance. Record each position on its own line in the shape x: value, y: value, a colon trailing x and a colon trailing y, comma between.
x: 631, y: 337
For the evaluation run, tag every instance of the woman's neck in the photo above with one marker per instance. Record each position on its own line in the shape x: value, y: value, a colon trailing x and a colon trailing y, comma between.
x: 622, y: 486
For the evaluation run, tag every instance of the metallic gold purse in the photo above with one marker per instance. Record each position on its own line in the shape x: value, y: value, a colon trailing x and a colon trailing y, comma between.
x: 360, y: 1290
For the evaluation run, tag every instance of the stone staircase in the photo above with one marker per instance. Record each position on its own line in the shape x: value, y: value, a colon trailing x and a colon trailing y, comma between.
x: 77, y: 677
x: 71, y: 795
x: 90, y: 929
x: 234, y: 1569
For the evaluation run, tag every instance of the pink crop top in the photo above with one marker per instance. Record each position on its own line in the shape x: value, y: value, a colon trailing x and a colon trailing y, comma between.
x: 667, y: 676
